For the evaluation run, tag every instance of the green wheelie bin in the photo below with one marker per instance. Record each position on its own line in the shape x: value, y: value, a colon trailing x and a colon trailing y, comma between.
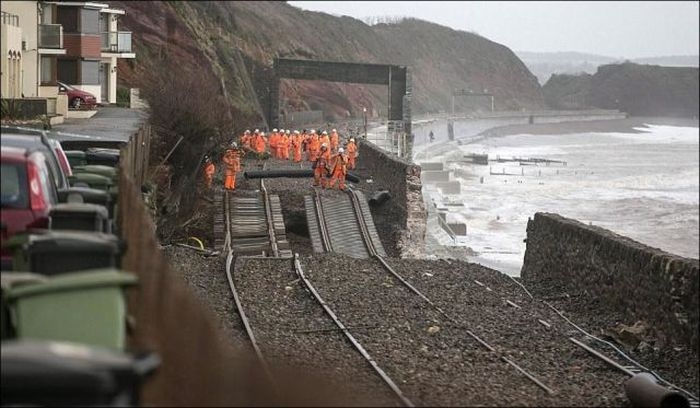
x: 92, y: 180
x: 86, y: 307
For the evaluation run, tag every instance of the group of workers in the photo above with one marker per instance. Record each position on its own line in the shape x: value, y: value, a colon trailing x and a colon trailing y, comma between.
x: 330, y: 161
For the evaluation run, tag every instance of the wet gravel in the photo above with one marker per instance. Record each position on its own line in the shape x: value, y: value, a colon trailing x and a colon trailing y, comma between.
x: 296, y: 336
x: 515, y: 330
x: 207, y: 280
x: 432, y: 360
x: 673, y: 361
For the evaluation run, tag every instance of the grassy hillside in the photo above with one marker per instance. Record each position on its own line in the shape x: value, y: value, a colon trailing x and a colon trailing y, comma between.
x: 237, y: 41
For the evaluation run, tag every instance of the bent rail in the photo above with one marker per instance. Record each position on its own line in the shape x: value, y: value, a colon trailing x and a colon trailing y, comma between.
x: 387, y: 380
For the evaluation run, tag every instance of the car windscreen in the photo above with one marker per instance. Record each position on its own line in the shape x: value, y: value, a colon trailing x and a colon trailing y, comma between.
x: 14, y: 186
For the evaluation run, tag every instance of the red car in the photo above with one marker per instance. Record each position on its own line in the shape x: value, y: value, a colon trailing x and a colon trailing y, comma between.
x: 27, y: 194
x: 77, y: 98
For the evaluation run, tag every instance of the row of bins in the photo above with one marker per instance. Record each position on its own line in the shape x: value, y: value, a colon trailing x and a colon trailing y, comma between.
x: 64, y: 317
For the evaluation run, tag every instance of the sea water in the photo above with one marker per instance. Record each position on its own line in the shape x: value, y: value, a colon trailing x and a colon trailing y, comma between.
x: 640, y: 185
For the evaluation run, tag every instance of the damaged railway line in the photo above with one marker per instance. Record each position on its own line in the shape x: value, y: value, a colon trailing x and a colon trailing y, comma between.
x: 391, y: 339
x: 442, y: 332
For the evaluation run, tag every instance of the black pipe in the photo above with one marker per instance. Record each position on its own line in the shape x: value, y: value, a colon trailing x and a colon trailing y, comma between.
x: 379, y: 197
x: 291, y: 173
x: 643, y: 391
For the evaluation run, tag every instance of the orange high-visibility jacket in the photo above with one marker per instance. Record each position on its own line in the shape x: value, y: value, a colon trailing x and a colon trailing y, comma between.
x: 351, y: 148
x: 232, y: 161
x: 339, y: 165
x: 334, y: 140
x: 259, y: 143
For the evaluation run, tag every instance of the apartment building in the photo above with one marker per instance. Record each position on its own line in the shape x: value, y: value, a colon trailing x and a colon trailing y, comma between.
x: 77, y: 43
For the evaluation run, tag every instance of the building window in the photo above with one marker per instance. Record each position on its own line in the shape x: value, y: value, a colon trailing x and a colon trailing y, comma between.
x: 89, y: 21
x: 48, y: 13
x: 68, y: 18
x: 79, y: 72
x: 90, y: 72
x: 68, y: 71
x: 48, y: 70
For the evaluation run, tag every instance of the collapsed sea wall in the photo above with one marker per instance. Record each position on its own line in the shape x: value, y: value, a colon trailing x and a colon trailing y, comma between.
x: 406, y: 210
x: 641, y: 282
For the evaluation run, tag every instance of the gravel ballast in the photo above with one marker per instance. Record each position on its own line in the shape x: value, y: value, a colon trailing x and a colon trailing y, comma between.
x: 296, y: 336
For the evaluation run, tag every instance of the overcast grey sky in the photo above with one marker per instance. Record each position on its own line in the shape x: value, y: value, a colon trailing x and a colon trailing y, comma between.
x: 630, y: 29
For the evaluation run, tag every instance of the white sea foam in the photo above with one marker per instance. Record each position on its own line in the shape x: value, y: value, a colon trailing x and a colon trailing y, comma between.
x: 643, y: 185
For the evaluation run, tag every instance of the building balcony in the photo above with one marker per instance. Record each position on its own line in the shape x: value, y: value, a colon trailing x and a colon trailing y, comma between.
x: 51, y: 39
x: 116, y: 42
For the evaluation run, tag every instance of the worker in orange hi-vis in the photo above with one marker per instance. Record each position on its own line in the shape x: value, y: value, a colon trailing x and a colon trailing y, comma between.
x: 325, y: 139
x: 259, y: 142
x: 339, y: 168
x: 305, y: 137
x: 274, y: 139
x: 351, y: 148
x: 335, y: 140
x: 327, y: 154
x: 296, y: 143
x: 321, y: 168
x: 209, y: 170
x: 314, y: 146
x: 287, y: 139
x: 280, y: 144
x: 245, y: 140
x: 232, y: 161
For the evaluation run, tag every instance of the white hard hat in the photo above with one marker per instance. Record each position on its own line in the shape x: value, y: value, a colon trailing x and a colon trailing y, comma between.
x: 296, y: 132
x: 341, y: 150
x: 287, y: 131
x: 313, y: 130
x: 334, y: 131
x: 274, y: 130
x: 352, y: 139
x: 324, y: 146
x: 262, y: 133
x: 247, y: 131
x: 234, y: 145
x: 325, y: 133
x: 257, y: 130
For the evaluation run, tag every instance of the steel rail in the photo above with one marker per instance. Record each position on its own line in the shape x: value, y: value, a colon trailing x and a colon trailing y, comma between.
x: 300, y: 272
x: 373, y: 253
x: 270, y: 225
x: 323, y: 230
x: 602, y: 357
x: 237, y: 299
x: 635, y: 364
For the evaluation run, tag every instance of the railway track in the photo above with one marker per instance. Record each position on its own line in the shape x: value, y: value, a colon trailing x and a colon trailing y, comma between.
x: 345, y: 226
x: 247, y: 234
x: 342, y: 224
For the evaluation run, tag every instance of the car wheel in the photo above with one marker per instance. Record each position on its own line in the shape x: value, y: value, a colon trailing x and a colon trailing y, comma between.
x: 76, y: 102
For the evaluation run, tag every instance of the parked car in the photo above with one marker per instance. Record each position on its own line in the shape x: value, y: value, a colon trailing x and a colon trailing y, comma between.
x: 27, y: 193
x: 34, y: 138
x: 77, y: 98
x: 62, y: 158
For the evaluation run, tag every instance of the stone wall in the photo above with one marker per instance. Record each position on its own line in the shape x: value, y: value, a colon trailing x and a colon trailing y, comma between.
x: 641, y: 282
x: 402, y: 179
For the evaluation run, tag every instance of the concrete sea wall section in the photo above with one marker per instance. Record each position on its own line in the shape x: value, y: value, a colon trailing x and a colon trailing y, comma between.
x: 642, y: 282
x: 402, y: 179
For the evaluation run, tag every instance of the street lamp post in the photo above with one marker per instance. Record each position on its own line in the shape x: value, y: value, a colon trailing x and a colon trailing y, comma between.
x: 364, y: 120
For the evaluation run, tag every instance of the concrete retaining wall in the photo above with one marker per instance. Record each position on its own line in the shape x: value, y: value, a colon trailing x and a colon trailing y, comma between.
x: 402, y: 179
x: 641, y: 282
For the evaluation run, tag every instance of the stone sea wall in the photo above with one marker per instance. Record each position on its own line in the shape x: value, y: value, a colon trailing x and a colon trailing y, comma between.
x: 402, y: 179
x: 642, y: 282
